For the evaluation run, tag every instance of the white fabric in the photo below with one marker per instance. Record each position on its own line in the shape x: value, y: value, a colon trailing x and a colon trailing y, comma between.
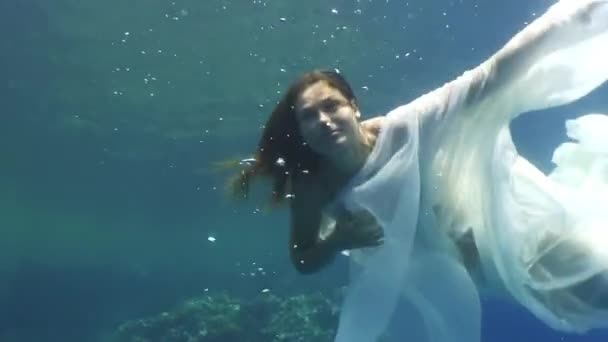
x: 445, y: 165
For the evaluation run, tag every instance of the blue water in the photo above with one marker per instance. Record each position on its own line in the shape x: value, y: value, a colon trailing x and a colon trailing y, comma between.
x: 113, y: 112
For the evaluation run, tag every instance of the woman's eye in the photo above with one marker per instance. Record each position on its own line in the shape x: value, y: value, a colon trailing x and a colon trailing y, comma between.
x: 330, y: 106
x: 308, y: 114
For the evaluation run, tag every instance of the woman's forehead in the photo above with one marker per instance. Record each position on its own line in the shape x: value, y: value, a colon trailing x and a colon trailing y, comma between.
x: 316, y: 92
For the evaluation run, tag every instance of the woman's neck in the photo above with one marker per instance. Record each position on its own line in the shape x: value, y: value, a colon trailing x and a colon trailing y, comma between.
x: 342, y: 168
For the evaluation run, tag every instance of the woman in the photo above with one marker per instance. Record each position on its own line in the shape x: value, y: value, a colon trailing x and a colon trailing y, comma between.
x: 312, y: 145
x: 438, y: 188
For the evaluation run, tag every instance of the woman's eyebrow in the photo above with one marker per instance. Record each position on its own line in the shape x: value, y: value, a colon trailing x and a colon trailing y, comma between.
x: 313, y: 104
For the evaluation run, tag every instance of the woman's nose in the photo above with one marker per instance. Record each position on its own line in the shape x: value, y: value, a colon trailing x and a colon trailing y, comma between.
x: 324, y: 118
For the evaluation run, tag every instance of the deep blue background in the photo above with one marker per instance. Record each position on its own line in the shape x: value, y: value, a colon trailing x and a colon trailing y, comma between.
x: 113, y: 113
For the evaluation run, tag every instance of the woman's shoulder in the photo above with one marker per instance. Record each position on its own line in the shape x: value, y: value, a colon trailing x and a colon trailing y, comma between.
x: 319, y: 188
x: 373, y: 125
x: 309, y: 190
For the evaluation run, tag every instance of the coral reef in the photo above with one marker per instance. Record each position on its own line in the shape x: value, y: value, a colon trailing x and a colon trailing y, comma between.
x: 222, y: 318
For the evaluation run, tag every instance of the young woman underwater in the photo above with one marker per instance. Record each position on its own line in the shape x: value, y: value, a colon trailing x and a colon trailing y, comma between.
x: 433, y: 199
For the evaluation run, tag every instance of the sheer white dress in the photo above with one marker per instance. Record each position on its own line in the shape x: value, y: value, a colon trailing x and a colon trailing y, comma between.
x: 444, y: 167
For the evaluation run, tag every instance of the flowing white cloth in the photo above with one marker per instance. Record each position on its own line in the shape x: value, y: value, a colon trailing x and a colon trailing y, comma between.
x: 445, y: 165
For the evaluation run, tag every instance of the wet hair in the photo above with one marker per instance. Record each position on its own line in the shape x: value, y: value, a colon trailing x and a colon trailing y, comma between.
x: 282, y: 154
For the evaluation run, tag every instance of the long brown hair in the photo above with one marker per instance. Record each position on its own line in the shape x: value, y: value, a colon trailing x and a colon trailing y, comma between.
x: 282, y: 154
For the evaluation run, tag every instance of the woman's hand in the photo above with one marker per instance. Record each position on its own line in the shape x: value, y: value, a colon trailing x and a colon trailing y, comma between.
x: 356, y: 230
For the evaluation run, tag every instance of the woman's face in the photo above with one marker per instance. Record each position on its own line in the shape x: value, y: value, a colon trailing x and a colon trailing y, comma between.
x: 328, y: 122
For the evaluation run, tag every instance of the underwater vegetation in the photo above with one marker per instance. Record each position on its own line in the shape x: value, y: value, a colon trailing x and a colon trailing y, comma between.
x: 221, y: 318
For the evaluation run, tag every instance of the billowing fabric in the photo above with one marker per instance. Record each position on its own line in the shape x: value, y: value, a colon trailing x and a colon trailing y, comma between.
x: 445, y: 166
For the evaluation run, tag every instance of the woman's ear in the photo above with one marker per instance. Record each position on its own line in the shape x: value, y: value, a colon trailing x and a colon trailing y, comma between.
x: 357, y: 111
